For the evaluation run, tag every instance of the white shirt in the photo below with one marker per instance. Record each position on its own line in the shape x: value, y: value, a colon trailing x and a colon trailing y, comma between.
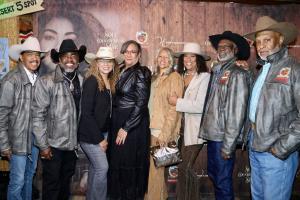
x: 32, y: 76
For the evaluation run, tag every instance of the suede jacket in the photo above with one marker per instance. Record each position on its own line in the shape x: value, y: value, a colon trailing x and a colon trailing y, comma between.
x: 277, y: 121
x: 54, y: 113
x: 226, y: 106
x: 15, y: 116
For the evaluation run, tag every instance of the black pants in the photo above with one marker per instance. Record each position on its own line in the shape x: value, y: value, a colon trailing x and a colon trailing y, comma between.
x: 57, y: 174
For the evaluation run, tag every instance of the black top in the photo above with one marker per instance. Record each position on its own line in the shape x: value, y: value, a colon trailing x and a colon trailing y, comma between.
x: 95, y: 112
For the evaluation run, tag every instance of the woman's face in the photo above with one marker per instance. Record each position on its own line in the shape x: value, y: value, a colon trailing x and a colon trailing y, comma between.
x: 131, y: 55
x: 105, y: 66
x: 163, y: 60
x: 190, y: 61
x: 57, y: 30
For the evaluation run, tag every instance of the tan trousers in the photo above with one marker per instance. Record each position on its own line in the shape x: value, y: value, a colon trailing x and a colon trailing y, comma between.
x: 157, y: 189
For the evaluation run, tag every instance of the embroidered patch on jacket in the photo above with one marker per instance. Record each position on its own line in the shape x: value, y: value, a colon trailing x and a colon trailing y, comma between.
x: 225, y: 77
x: 283, y: 75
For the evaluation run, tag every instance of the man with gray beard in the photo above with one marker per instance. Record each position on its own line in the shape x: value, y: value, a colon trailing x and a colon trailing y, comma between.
x: 55, y: 115
x: 225, y: 110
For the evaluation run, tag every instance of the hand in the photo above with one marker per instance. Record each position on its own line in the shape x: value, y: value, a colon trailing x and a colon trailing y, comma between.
x: 173, y: 99
x: 122, y: 134
x: 103, y: 144
x: 243, y: 64
x: 7, y: 153
x: 225, y: 156
x: 273, y: 151
x: 46, y: 154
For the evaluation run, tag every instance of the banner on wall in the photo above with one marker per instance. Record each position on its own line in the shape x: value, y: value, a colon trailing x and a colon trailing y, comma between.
x: 4, y: 60
x: 20, y: 7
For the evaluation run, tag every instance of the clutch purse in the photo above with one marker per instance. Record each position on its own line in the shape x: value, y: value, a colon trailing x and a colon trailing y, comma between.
x: 165, y: 156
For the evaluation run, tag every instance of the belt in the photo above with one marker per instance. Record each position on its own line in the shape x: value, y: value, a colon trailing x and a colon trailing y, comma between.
x: 253, y: 126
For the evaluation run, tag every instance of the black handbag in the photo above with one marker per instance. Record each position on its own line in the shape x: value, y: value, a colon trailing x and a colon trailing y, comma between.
x: 165, y: 156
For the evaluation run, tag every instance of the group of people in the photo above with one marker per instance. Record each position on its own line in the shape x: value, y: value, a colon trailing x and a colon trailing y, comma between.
x: 115, y: 112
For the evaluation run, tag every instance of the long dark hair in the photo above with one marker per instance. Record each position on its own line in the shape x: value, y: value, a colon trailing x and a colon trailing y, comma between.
x: 200, y: 62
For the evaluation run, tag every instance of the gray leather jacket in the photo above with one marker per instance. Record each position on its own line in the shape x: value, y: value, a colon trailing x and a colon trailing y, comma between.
x: 54, y: 112
x: 15, y: 116
x: 277, y: 122
x: 226, y: 106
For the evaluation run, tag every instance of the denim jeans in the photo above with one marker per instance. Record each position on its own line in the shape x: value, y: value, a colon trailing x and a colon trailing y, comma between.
x: 97, y: 177
x: 271, y: 178
x: 220, y: 171
x: 22, y: 169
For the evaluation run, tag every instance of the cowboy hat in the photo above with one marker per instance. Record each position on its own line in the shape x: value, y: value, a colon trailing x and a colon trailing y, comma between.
x: 68, y: 45
x: 105, y: 53
x: 266, y: 23
x: 194, y: 48
x: 241, y: 43
x: 30, y: 44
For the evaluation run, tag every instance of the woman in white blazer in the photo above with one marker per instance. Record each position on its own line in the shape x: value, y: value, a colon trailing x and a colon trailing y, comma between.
x: 192, y: 66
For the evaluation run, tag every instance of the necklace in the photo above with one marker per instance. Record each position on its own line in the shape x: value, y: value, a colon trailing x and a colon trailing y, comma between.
x: 189, y: 73
x: 71, y: 81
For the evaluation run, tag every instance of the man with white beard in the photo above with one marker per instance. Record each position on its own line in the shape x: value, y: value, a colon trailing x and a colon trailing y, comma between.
x: 225, y: 110
x: 56, y: 105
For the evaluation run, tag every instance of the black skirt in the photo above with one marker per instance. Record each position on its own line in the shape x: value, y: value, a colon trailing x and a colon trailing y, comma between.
x: 128, y: 163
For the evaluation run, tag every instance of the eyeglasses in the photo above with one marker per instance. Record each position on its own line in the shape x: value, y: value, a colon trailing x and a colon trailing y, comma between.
x: 130, y: 52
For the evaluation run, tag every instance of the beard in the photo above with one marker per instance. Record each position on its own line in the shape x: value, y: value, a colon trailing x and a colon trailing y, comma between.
x: 225, y: 56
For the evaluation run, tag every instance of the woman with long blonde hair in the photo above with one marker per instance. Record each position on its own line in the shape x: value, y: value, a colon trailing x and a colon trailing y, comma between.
x: 96, y: 108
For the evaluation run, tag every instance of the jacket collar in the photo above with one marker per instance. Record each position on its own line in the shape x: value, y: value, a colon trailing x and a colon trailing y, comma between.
x: 223, y: 66
x: 58, y: 76
x: 274, y: 58
x: 24, y: 78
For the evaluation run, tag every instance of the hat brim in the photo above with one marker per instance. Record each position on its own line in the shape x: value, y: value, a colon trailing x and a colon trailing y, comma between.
x: 288, y: 30
x: 15, y: 52
x: 55, y: 54
x: 178, y: 54
x: 241, y: 43
x: 90, y: 57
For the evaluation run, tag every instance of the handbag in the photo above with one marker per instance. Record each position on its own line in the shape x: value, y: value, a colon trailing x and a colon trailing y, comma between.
x: 165, y: 156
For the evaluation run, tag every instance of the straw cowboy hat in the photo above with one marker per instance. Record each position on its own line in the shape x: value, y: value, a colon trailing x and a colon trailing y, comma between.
x: 241, y: 43
x: 106, y: 53
x: 266, y: 23
x: 194, y: 48
x: 68, y: 45
x: 30, y: 44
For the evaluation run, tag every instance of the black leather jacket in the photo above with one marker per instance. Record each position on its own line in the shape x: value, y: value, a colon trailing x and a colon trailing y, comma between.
x: 225, y: 110
x: 133, y: 91
x: 277, y: 122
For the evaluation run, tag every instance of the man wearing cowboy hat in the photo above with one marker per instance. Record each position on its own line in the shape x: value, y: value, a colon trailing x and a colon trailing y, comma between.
x: 225, y: 108
x: 55, y: 116
x: 274, y: 136
x: 16, y: 138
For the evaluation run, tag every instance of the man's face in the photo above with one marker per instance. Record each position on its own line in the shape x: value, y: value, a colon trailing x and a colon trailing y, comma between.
x: 226, y: 50
x: 69, y: 61
x: 268, y: 43
x: 31, y: 60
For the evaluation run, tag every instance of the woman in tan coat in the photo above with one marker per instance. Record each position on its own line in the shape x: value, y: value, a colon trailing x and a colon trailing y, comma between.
x: 164, y: 119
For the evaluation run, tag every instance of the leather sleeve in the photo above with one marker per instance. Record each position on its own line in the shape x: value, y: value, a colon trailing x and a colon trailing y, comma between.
x: 235, y: 109
x: 290, y: 142
x: 6, y: 105
x: 142, y: 94
x: 40, y: 106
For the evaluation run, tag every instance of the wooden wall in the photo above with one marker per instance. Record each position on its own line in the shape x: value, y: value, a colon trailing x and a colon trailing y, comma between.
x: 172, y: 22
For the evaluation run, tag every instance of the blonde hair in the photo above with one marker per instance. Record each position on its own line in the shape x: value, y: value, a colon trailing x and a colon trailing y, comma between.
x: 112, y: 76
x: 171, y: 61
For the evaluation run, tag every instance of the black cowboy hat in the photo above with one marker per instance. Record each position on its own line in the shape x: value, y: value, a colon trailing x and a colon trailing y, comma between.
x: 68, y: 45
x: 241, y: 43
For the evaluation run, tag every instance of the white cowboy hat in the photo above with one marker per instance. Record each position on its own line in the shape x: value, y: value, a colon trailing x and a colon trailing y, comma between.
x: 106, y: 53
x: 266, y: 23
x: 194, y: 48
x: 30, y: 44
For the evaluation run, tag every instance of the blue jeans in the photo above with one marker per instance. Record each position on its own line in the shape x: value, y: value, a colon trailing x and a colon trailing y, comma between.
x: 271, y: 178
x: 97, y: 177
x: 22, y: 169
x: 220, y: 171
